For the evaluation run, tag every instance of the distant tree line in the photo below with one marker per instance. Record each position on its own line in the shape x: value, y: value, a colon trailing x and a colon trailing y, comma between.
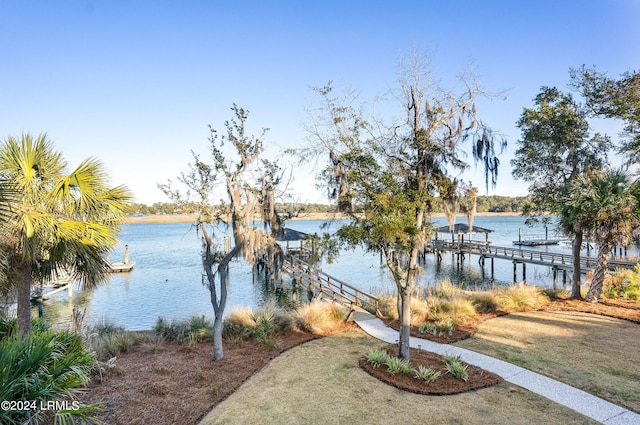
x: 491, y: 203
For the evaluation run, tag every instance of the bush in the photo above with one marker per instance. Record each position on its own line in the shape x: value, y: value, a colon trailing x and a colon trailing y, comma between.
x: 484, y: 302
x: 238, y: 324
x: 378, y: 357
x: 388, y: 307
x: 42, y: 367
x: 196, y: 329
x: 520, y: 298
x: 397, y: 365
x: 621, y: 284
x: 455, y: 367
x: 427, y: 374
x: 445, y: 290
x: 320, y: 317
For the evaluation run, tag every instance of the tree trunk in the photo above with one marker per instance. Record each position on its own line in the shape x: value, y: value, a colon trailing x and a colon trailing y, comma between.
x: 602, y: 265
x: 575, y: 286
x: 217, y: 338
x: 405, y: 324
x: 23, y: 276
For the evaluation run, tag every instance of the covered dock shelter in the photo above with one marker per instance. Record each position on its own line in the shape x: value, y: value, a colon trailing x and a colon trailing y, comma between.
x: 289, y: 235
x: 461, y: 229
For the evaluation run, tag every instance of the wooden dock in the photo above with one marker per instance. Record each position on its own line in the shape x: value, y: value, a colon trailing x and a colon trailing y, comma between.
x: 557, y: 261
x: 329, y: 288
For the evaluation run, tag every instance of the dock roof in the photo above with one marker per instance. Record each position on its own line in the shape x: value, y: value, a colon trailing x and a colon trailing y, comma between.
x: 462, y: 228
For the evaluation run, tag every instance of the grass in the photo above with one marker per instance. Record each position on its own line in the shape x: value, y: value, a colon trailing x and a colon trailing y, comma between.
x: 594, y: 353
x: 319, y: 389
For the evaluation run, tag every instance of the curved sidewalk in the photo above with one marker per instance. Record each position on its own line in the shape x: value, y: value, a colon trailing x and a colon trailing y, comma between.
x: 573, y: 398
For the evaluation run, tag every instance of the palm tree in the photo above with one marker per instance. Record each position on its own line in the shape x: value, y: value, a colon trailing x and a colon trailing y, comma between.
x: 605, y: 208
x: 57, y: 220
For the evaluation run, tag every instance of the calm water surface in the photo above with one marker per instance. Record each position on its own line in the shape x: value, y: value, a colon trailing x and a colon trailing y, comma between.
x: 167, y: 278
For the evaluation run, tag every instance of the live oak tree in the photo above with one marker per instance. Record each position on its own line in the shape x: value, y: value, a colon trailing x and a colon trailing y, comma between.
x: 613, y: 98
x: 56, y: 220
x: 232, y: 174
x: 393, y: 173
x: 554, y: 149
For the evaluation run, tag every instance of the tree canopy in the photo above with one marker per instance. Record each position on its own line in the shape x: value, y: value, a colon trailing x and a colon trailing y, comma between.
x: 395, y: 172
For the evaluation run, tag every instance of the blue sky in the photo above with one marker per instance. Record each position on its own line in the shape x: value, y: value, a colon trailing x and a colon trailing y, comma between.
x: 135, y: 83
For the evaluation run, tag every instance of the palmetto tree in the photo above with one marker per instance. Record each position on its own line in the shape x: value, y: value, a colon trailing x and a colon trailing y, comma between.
x: 56, y: 220
x: 605, y: 208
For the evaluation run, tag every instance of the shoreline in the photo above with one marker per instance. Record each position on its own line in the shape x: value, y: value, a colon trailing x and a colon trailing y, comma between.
x: 187, y: 218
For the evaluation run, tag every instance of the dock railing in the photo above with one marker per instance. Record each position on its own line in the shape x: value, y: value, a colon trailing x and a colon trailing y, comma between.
x: 553, y: 259
x: 332, y: 287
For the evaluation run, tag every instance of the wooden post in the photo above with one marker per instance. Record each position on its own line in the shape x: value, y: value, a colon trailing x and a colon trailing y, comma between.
x: 515, y: 272
x: 126, y: 254
x: 524, y: 272
x: 564, y: 279
x: 519, y: 234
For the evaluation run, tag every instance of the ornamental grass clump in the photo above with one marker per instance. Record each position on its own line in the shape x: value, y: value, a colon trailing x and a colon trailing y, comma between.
x: 319, y: 317
x: 520, y: 298
x: 388, y: 306
x: 445, y: 290
x: 238, y: 324
x: 484, y: 301
x: 196, y: 329
x: 426, y: 374
x: 398, y: 365
x: 455, y: 367
x: 378, y: 357
x: 443, y: 324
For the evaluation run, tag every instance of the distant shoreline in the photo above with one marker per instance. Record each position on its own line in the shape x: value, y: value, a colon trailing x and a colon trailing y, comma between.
x: 188, y: 218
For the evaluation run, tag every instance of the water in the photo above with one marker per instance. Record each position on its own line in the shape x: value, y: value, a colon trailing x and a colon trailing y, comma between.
x: 167, y: 278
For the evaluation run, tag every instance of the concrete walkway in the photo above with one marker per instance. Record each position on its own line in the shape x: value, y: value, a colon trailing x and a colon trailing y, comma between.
x: 573, y: 398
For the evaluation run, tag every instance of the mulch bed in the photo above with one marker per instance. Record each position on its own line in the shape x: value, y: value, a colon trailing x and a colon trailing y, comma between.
x: 446, y: 384
x: 179, y: 384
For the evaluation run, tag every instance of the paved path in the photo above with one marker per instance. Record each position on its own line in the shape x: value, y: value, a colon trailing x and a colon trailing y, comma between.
x: 573, y: 398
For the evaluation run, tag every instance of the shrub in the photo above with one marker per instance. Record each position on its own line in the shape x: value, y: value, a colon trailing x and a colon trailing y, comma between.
x: 621, y: 284
x: 420, y: 310
x: 279, y: 320
x: 320, y: 317
x: 455, y: 367
x: 462, y: 306
x: 378, y: 357
x: 42, y: 367
x: 484, y: 302
x: 397, y: 365
x: 196, y: 329
x: 388, y: 307
x: 105, y: 328
x: 520, y: 298
x: 239, y: 324
x: 199, y: 329
x: 427, y: 374
x: 445, y: 290
x: 430, y: 328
